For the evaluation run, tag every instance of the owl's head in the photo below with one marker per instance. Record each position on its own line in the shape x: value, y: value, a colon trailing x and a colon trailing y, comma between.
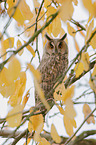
x: 56, y: 46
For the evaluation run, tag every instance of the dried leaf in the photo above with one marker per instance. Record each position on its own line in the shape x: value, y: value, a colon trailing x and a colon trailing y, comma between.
x: 85, y: 59
x: 79, y: 68
x: 75, y: 2
x: 61, y: 110
x: 71, y: 30
x: 8, y: 76
x: 5, y: 44
x: 36, y: 123
x: 68, y: 93
x: 89, y: 30
x: 44, y: 142
x: 14, y: 116
x: 36, y: 73
x: 14, y: 69
x: 91, y: 7
x: 54, y: 134
x: 28, y: 141
x: 30, y: 49
x: 22, y: 12
x: 20, y: 84
x: 87, y: 111
x: 41, y: 94
x: 69, y: 109
x: 93, y: 40
x: 26, y: 97
x: 69, y: 124
x: 66, y: 10
x: 19, y: 44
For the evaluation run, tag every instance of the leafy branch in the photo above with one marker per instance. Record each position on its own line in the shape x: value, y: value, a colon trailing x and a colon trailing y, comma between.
x: 9, y: 21
x: 79, y: 129
x: 30, y: 40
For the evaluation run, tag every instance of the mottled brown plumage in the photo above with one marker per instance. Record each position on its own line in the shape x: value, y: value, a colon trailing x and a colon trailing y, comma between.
x: 54, y: 63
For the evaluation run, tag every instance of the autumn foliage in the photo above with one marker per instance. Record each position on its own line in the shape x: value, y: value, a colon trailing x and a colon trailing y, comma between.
x: 46, y: 16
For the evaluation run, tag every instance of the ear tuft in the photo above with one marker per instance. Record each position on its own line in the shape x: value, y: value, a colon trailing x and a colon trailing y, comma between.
x: 64, y: 36
x: 48, y: 37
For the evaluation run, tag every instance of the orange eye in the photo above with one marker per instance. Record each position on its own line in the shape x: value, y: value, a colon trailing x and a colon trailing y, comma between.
x: 60, y: 45
x: 51, y: 45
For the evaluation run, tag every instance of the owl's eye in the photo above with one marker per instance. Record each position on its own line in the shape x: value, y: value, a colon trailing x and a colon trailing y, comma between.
x: 51, y: 45
x: 60, y: 45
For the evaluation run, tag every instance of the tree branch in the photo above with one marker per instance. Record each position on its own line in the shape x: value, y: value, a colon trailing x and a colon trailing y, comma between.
x: 79, y: 128
x: 70, y: 81
x: 30, y: 40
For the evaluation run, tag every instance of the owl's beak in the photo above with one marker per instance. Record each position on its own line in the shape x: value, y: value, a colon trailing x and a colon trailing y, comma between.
x: 56, y: 51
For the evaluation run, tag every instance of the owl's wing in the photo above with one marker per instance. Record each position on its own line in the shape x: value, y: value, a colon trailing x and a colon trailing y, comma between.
x: 43, y: 64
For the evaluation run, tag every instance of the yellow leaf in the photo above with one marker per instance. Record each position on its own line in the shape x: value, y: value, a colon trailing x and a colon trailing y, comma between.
x: 92, y: 84
x: 61, y: 110
x: 36, y: 3
x: 75, y: 2
x: 94, y: 71
x: 69, y: 109
x: 14, y: 69
x: 36, y: 73
x: 37, y: 77
x: 79, y: 68
x: 8, y: 76
x: 93, y: 40
x: 91, y: 7
x: 50, y: 10
x: 28, y: 141
x: 37, y: 137
x: 8, y: 43
x: 85, y: 59
x: 87, y: 111
x: 30, y: 49
x: 20, y: 84
x: 56, y: 26
x: 35, y: 123
x: 69, y: 124
x: 14, y: 116
x: 5, y: 44
x: 89, y: 30
x: 22, y: 12
x: 19, y: 44
x: 26, y: 97
x: 68, y: 93
x: 58, y: 92
x: 54, y: 134
x: 15, y: 99
x: 71, y: 30
x: 66, y: 10
x: 41, y: 94
x: 44, y: 142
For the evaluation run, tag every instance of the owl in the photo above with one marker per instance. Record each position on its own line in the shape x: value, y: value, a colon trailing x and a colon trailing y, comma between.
x: 53, y: 64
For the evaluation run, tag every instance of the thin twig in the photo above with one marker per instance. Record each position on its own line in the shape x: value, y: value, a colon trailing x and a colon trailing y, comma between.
x: 79, y: 127
x: 36, y: 28
x: 77, y: 24
x: 30, y: 40
x: 9, y: 21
